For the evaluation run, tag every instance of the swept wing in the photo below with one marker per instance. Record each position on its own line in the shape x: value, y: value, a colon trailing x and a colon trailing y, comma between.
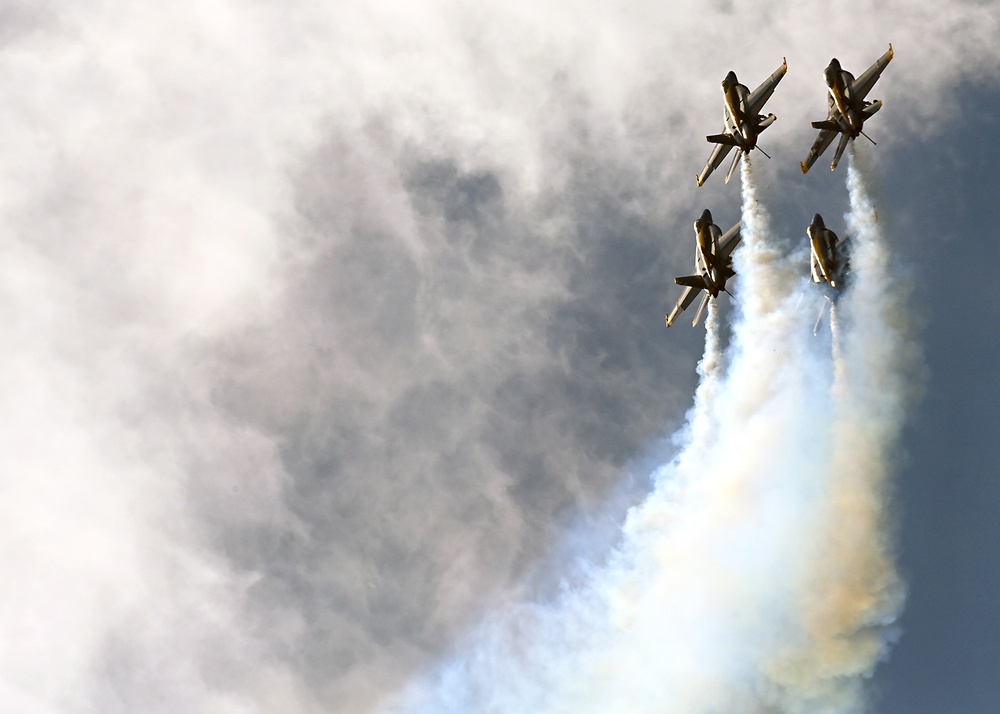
x: 729, y: 240
x: 863, y: 84
x: 760, y: 95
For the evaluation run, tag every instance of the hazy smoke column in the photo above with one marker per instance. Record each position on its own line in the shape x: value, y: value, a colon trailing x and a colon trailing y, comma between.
x: 836, y: 349
x: 757, y: 576
x: 856, y: 591
x: 710, y: 372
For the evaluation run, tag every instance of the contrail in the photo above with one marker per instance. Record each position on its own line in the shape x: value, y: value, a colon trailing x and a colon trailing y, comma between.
x: 757, y: 575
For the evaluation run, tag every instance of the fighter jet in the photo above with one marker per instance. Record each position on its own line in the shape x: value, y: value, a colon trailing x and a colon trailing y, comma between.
x: 712, y: 263
x: 829, y: 263
x: 829, y: 260
x: 743, y: 121
x: 846, y: 107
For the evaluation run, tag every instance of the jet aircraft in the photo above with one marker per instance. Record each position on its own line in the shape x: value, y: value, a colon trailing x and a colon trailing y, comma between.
x: 743, y: 121
x: 846, y: 107
x: 712, y: 263
x: 829, y: 259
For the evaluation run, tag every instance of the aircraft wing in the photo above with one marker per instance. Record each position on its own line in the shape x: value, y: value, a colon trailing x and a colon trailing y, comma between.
x: 863, y: 84
x: 687, y: 297
x: 764, y: 91
x: 719, y: 154
x: 729, y: 240
x: 825, y: 138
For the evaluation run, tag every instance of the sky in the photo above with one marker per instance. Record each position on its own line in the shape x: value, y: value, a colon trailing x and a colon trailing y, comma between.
x: 334, y: 331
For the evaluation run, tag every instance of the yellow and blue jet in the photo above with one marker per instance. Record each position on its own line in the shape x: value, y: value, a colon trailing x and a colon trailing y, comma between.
x: 743, y: 121
x: 713, y: 265
x: 829, y: 261
x: 847, y: 109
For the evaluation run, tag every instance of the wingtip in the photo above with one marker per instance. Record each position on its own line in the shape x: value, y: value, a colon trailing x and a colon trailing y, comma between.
x: 668, y: 321
x: 784, y: 63
x: 699, y: 180
x: 890, y: 51
x: 802, y: 165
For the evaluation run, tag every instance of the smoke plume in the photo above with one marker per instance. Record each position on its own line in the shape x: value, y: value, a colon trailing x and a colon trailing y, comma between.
x: 758, y: 575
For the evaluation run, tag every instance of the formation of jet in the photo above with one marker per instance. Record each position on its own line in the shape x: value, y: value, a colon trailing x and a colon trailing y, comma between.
x: 829, y: 261
x: 743, y: 121
x: 847, y: 109
x: 713, y: 265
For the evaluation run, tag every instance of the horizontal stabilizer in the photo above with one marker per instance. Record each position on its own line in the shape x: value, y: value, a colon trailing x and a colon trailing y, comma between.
x: 844, y: 140
x: 701, y: 309
x: 826, y: 124
x: 764, y: 122
x: 726, y: 139
x: 871, y: 108
x: 691, y: 281
x: 732, y: 168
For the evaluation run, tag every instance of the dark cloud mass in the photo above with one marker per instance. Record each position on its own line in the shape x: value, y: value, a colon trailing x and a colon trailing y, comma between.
x: 443, y: 409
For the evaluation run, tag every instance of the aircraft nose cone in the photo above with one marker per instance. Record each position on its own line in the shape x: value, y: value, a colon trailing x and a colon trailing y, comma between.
x: 818, y: 220
x: 832, y: 70
x: 706, y: 216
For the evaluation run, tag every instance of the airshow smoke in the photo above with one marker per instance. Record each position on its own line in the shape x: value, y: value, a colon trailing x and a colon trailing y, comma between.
x: 758, y: 575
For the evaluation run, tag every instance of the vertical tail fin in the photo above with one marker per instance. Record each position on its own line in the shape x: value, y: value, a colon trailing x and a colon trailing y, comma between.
x: 701, y: 309
x: 840, y: 150
x: 732, y: 168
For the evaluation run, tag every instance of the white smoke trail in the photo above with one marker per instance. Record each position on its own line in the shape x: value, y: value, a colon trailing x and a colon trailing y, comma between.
x: 711, y: 361
x: 757, y: 574
x: 856, y: 593
x: 836, y: 348
x: 709, y: 373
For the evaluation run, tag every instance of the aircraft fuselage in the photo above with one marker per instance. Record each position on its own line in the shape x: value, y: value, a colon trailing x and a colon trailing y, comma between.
x: 706, y: 263
x: 737, y: 98
x: 828, y: 265
x: 839, y: 82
